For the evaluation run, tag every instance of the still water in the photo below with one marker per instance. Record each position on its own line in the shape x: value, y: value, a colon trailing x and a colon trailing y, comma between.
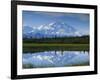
x: 55, y: 59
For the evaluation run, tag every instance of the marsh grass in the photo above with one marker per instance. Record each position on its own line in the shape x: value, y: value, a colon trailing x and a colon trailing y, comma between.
x: 35, y: 47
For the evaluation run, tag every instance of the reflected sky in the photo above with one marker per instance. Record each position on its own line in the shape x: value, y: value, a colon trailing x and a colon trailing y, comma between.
x: 55, y: 59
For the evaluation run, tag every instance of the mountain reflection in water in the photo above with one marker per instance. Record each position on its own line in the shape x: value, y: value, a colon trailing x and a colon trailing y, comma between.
x: 55, y: 59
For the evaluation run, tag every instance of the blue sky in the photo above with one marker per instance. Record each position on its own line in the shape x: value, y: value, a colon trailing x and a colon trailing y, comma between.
x: 79, y: 21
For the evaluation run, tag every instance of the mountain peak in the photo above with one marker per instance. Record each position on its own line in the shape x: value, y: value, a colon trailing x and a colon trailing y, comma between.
x: 58, y: 28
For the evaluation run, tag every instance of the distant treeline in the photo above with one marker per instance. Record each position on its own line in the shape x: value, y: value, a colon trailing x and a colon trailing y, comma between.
x: 68, y: 40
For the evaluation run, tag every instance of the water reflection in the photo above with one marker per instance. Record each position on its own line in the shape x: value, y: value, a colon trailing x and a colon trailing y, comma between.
x: 55, y: 59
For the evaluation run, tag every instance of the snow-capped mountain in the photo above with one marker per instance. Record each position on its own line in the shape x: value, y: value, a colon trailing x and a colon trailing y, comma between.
x: 56, y: 29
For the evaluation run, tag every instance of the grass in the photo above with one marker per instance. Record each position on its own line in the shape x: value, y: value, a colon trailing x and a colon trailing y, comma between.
x: 45, y: 44
x: 36, y: 47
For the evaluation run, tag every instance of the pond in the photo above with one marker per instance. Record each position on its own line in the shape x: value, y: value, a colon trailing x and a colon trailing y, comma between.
x: 47, y: 59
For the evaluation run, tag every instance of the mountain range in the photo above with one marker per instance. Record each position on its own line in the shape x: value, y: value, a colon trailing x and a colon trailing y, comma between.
x: 55, y: 29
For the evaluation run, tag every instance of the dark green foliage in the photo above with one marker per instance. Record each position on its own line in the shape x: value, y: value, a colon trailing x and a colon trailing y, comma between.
x: 57, y: 43
x: 27, y: 66
x: 73, y: 47
x: 68, y: 40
